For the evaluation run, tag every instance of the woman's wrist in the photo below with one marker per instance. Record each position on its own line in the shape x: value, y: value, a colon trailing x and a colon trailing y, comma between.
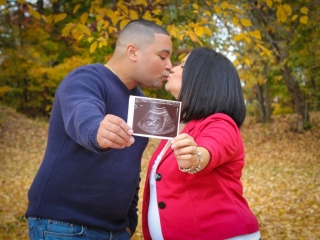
x: 200, y: 160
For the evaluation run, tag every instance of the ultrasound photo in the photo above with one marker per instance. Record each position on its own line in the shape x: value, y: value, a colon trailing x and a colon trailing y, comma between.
x: 151, y: 117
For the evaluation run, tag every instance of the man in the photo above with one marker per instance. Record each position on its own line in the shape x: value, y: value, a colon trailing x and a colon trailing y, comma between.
x: 87, y: 185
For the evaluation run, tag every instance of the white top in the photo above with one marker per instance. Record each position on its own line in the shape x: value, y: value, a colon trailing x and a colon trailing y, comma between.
x: 251, y: 236
x: 153, y: 211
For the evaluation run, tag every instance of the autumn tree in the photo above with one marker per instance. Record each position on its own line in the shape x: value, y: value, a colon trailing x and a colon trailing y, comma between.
x: 34, y: 57
x: 265, y: 38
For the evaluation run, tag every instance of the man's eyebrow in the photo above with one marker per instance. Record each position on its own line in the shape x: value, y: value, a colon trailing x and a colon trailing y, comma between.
x: 165, y: 50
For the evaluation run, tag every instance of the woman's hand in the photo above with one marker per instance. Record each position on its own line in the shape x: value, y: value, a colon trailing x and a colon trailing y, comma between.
x: 184, y: 148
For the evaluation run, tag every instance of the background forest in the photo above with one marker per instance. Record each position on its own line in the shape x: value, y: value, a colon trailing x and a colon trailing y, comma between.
x: 275, y: 45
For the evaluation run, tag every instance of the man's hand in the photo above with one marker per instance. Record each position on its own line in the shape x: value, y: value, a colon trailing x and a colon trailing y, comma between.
x: 129, y: 231
x: 114, y: 132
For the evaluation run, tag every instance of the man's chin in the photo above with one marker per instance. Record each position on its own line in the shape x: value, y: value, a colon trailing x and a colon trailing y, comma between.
x: 157, y: 85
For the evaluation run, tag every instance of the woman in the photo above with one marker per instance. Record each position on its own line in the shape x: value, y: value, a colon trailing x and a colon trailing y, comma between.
x: 193, y: 188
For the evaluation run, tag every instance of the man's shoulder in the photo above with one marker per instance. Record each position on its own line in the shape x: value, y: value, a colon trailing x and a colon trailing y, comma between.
x: 89, y: 67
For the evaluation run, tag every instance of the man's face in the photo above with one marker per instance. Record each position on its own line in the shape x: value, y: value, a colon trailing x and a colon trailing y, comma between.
x: 154, y: 62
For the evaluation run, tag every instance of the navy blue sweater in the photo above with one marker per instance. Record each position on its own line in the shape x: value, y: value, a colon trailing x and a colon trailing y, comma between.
x: 79, y: 182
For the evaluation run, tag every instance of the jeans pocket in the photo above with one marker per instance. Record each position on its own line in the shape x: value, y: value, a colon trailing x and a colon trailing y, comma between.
x: 63, y: 229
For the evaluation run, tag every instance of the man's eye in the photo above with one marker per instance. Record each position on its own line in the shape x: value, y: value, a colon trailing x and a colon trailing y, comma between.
x: 163, y: 58
x: 182, y: 66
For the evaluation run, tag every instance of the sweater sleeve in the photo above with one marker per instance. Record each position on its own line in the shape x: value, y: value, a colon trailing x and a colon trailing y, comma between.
x: 82, y: 100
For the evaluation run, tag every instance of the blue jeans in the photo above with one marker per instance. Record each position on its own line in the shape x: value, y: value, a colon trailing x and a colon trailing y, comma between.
x: 46, y: 229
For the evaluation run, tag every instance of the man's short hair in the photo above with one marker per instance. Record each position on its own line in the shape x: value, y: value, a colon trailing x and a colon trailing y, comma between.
x: 139, y: 32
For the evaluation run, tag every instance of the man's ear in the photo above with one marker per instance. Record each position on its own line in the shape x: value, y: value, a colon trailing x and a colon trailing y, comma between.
x: 132, y: 52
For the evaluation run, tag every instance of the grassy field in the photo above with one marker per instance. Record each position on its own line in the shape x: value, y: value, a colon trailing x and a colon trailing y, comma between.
x: 281, y: 178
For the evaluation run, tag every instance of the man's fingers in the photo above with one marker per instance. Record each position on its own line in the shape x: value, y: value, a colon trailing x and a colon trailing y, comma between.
x: 114, y: 132
x: 118, y: 125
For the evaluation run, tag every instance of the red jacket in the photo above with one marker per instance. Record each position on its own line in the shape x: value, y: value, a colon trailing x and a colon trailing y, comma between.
x: 208, y: 204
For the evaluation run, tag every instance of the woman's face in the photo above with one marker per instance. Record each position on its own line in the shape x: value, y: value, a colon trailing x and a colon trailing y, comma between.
x: 174, y: 80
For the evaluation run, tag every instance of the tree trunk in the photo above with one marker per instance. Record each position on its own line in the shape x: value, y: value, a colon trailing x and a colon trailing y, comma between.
x: 299, y: 104
x: 259, y: 96
x: 267, y: 105
x: 40, y: 6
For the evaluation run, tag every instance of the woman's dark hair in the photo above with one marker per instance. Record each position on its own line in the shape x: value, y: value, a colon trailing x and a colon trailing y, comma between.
x: 210, y: 84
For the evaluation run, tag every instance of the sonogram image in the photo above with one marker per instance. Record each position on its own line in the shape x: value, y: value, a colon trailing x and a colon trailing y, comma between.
x: 157, y: 121
x: 156, y: 117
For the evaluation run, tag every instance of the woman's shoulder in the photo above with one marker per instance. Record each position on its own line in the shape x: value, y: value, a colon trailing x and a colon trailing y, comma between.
x: 216, y: 117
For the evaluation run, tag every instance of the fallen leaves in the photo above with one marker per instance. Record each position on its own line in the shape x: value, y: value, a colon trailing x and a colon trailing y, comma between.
x: 281, y: 178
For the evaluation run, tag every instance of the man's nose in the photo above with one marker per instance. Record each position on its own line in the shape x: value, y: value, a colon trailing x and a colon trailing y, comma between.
x: 169, y: 65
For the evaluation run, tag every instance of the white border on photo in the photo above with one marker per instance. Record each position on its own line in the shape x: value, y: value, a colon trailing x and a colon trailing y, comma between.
x: 139, y: 107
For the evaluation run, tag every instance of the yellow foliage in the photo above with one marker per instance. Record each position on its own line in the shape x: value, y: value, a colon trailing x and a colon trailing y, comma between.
x: 246, y: 22
x: 264, y: 50
x: 304, y: 10
x: 99, y: 25
x: 123, y: 23
x: 235, y: 21
x: 288, y: 9
x: 76, y: 8
x: 148, y: 16
x: 239, y: 37
x: 281, y: 14
x: 141, y: 2
x: 217, y: 9
x: 208, y: 13
x: 304, y: 19
x: 173, y: 31
x: 256, y: 34
x: 195, y: 6
x: 247, y: 61
x: 4, y: 90
x: 84, y: 29
x: 93, y: 46
x: 207, y: 31
x: 234, y: 8
x: 236, y: 62
x: 90, y: 39
x: 247, y: 39
x: 3, y: 2
x: 83, y: 18
x: 75, y: 33
x: 199, y: 31
x: 294, y: 17
x: 269, y: 3
x: 34, y: 13
x: 157, y: 12
x: 59, y: 17
x: 224, y: 5
x: 44, y: 18
x: 133, y: 15
x: 114, y: 15
x: 123, y: 7
x: 66, y: 30
x: 48, y: 19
